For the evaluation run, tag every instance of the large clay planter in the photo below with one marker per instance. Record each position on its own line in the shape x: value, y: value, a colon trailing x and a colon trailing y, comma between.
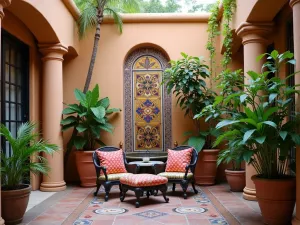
x: 276, y: 199
x: 236, y: 179
x: 206, y: 168
x: 86, y: 168
x: 14, y: 204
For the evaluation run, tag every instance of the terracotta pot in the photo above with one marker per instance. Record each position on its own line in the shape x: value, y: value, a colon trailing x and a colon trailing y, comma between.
x: 276, y: 199
x: 206, y: 168
x: 236, y: 179
x: 86, y: 168
x: 14, y: 204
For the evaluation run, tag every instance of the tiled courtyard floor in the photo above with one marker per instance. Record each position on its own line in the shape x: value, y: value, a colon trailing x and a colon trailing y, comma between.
x: 212, y: 205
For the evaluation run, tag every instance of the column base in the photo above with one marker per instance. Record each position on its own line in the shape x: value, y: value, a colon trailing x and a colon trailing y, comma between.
x: 249, y: 194
x: 53, y: 186
x: 295, y: 221
x: 1, y: 221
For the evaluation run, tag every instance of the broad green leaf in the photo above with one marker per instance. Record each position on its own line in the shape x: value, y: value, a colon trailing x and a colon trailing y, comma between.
x: 295, y: 138
x: 260, y: 140
x: 196, y: 142
x: 258, y: 58
x: 80, y: 96
x: 283, y: 134
x: 248, y: 134
x: 269, y: 112
x: 104, y: 102
x: 68, y: 111
x: 99, y: 112
x: 272, y: 97
x: 113, y: 110
x: 250, y: 121
x: 250, y: 114
x: 68, y: 120
x: 96, y: 131
x: 225, y: 123
x: 247, y: 155
x: 81, y: 128
x: 243, y: 98
x: 79, y: 142
x: 270, y: 123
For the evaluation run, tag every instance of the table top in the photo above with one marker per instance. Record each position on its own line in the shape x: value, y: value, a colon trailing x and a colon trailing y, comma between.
x: 150, y: 163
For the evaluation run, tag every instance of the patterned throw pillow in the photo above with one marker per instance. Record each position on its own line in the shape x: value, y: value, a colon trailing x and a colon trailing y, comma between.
x: 178, y: 160
x: 112, y: 161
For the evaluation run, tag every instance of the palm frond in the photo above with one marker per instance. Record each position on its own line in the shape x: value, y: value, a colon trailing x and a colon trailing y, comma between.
x: 124, y: 6
x: 117, y: 18
x: 87, y: 19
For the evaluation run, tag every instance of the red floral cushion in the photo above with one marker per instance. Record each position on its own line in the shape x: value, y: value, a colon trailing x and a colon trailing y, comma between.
x: 143, y: 180
x: 178, y: 160
x: 112, y: 161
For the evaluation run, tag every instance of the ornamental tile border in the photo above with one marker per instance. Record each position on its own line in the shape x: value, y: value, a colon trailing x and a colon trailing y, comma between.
x: 128, y: 103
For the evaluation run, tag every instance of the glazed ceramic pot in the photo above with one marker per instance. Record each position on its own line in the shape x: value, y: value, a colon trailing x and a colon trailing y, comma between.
x: 236, y: 179
x: 14, y: 204
x: 206, y: 167
x: 276, y: 199
x: 86, y: 168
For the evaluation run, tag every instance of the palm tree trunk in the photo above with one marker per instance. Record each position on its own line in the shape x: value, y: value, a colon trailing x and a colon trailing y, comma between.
x: 94, y: 54
x: 87, y: 81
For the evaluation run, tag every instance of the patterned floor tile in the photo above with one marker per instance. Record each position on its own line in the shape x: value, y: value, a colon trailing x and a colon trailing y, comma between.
x: 83, y: 222
x: 150, y: 214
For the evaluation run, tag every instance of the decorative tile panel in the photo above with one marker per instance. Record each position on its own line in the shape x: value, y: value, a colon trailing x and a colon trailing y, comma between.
x: 147, y: 104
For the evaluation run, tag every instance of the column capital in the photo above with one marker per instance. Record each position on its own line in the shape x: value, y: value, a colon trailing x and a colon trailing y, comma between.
x: 254, y: 32
x: 294, y: 2
x: 53, y: 51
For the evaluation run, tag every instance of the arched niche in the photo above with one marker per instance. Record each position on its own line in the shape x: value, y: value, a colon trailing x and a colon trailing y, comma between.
x: 142, y: 65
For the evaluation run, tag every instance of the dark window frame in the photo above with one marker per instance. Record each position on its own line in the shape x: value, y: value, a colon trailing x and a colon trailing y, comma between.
x: 23, y: 85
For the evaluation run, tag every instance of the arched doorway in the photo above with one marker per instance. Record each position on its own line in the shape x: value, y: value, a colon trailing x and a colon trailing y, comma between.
x: 147, y: 104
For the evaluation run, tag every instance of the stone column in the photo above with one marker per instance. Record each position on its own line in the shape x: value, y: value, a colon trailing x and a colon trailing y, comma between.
x: 254, y: 39
x: 3, y: 4
x: 295, y: 4
x: 52, y: 107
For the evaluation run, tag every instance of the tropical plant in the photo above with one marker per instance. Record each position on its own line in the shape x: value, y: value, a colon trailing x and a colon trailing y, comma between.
x: 91, y: 17
x: 91, y: 119
x: 186, y: 77
x: 263, y: 130
x: 16, y: 168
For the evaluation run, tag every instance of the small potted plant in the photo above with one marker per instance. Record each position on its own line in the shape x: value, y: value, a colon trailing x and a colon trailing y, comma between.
x: 89, y: 117
x: 186, y: 78
x: 266, y: 134
x: 227, y: 105
x: 15, y: 169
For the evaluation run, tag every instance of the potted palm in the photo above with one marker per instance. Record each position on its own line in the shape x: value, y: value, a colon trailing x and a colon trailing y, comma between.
x: 92, y: 118
x: 227, y: 105
x: 15, y: 169
x: 266, y: 135
x: 186, y: 77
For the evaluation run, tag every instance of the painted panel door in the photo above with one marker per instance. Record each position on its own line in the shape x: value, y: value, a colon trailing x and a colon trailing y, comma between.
x: 147, y: 104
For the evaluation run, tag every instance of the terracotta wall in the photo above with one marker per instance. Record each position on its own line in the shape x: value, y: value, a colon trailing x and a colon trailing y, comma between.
x: 172, y: 37
x: 15, y: 27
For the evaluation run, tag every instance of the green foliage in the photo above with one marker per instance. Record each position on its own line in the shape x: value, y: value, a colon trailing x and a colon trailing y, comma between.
x: 156, y: 6
x: 187, y: 77
x: 92, y: 118
x: 92, y: 12
x: 213, y: 32
x: 261, y: 131
x: 229, y: 8
x: 16, y: 168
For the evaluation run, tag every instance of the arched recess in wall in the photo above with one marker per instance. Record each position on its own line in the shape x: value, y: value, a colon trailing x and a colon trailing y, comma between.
x: 147, y: 105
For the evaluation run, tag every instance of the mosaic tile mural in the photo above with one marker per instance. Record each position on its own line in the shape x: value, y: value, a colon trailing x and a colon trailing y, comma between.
x: 148, y: 125
x: 148, y: 129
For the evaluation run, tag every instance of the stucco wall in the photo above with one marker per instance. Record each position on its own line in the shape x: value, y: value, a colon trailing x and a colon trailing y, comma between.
x: 113, y: 48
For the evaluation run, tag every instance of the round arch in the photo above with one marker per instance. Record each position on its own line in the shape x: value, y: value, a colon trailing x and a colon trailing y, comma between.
x: 138, y: 51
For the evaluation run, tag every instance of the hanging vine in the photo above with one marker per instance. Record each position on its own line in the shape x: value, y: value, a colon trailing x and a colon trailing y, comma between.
x: 229, y: 7
x: 213, y: 31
